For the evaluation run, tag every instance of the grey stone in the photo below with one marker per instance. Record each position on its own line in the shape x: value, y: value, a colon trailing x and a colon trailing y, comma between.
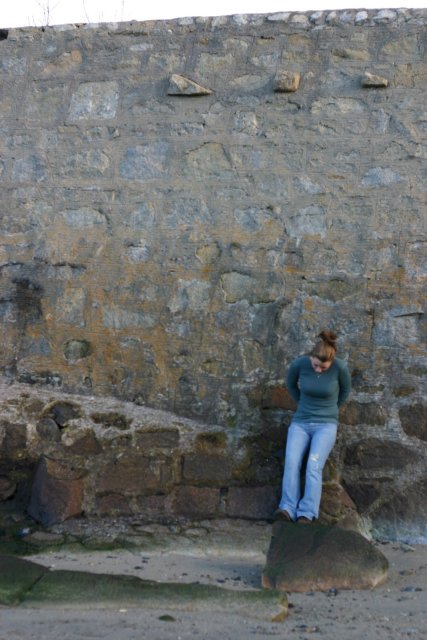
x: 385, y: 15
x: 308, y: 221
x: 361, y: 17
x: 88, y: 164
x: 145, y: 162
x: 116, y: 318
x: 209, y: 159
x: 381, y: 177
x: 83, y: 218
x: 299, y: 20
x: 30, y: 168
x: 193, y: 295
x: 95, y: 101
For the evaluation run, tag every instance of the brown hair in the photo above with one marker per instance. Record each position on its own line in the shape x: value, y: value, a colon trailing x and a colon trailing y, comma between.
x: 325, y: 348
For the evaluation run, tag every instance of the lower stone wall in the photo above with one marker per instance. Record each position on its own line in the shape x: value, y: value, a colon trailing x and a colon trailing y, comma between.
x: 63, y: 456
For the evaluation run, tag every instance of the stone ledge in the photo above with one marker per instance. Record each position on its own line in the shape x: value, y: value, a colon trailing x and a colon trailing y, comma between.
x: 297, y: 20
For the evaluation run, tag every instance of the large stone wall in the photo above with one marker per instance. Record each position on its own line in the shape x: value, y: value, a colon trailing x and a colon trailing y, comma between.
x: 185, y: 204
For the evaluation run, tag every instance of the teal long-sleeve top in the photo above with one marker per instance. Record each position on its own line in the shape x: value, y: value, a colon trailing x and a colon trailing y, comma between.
x: 318, y: 396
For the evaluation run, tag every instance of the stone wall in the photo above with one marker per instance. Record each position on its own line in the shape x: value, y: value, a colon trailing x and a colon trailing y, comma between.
x: 185, y: 204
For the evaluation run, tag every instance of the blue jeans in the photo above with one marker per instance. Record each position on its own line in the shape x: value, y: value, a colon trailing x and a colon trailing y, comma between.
x: 317, y: 438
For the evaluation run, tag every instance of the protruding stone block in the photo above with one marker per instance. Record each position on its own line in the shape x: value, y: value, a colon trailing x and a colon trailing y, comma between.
x: 373, y: 81
x: 287, y: 82
x: 182, y: 86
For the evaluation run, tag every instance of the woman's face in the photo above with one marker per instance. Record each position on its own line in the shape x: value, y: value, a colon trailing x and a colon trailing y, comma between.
x: 320, y: 366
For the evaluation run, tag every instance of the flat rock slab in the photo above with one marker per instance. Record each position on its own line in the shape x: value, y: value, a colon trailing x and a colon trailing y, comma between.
x: 17, y: 576
x: 23, y: 581
x: 316, y: 557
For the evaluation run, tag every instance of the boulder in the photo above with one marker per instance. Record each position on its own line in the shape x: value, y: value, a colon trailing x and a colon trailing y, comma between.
x: 316, y: 557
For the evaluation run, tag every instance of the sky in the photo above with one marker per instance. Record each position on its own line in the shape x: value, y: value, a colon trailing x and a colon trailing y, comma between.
x: 16, y: 13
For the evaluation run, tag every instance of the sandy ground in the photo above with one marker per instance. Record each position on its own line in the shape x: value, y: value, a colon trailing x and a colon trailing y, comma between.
x: 396, y: 610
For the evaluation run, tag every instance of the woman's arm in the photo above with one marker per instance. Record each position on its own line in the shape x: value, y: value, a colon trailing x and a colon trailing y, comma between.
x: 344, y: 380
x: 292, y: 381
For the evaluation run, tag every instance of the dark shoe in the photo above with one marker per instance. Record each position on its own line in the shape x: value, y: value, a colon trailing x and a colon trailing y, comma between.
x: 304, y: 520
x: 282, y: 514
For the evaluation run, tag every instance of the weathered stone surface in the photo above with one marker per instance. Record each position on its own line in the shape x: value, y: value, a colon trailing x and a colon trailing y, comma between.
x: 57, y: 492
x: 287, y: 82
x: 318, y: 557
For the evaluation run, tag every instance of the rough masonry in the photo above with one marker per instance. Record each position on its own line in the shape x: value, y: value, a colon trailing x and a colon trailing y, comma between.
x: 186, y: 203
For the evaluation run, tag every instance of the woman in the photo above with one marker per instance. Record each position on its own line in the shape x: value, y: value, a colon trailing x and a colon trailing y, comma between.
x: 319, y: 383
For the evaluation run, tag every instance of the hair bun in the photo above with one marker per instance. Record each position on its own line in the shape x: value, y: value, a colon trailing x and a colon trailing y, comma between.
x: 329, y: 337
